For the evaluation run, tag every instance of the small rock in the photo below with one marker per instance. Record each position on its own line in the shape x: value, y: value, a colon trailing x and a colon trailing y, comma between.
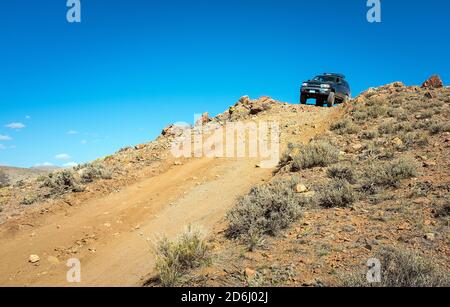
x: 397, y: 142
x: 139, y: 147
x: 204, y: 119
x: 429, y: 163
x: 301, y: 188
x: 403, y: 226
x: 430, y: 236
x: 34, y: 259
x: 244, y: 100
x: 249, y: 273
x: 53, y: 260
x: 177, y: 163
x: 357, y: 147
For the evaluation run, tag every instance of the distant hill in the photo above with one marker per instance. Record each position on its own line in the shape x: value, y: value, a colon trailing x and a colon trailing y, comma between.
x: 15, y: 174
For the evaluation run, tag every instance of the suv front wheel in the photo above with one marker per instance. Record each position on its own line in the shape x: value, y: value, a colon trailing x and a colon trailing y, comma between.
x: 303, y: 99
x: 331, y: 99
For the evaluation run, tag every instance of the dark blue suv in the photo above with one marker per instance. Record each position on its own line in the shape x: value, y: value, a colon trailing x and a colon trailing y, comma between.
x: 329, y: 87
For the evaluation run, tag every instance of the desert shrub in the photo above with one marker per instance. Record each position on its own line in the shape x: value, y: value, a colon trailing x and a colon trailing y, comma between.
x: 92, y: 172
x: 369, y: 135
x: 389, y: 174
x: 427, y: 114
x: 338, y: 193
x: 438, y: 127
x: 387, y: 128
x: 414, y: 106
x: 345, y: 172
x: 4, y: 180
x: 401, y: 115
x: 401, y: 268
x: 360, y: 116
x: 62, y: 182
x: 376, y: 111
x: 345, y: 126
x: 173, y: 258
x: 315, y: 154
x: 418, y: 138
x: 375, y: 101
x: 404, y: 126
x: 443, y: 211
x: 265, y: 210
x: 397, y: 102
x: 28, y: 200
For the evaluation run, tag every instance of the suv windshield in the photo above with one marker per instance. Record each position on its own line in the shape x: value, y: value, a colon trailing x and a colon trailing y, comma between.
x: 325, y: 79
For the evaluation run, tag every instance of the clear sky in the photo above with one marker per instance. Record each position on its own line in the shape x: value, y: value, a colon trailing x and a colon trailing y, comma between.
x: 76, y: 92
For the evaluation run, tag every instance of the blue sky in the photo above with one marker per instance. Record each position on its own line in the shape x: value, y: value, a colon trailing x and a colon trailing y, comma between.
x: 132, y: 67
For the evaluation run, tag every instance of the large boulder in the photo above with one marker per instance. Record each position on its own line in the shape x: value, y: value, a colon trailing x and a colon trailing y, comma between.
x: 433, y: 82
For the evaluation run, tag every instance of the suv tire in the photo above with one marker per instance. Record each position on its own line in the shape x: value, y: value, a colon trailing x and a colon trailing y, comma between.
x: 319, y: 102
x: 303, y: 99
x: 331, y: 99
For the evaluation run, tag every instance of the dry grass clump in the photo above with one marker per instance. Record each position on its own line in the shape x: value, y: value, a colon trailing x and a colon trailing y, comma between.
x: 369, y: 135
x: 315, y: 154
x: 338, y: 193
x: 345, y: 126
x: 437, y: 127
x: 344, y: 172
x: 91, y: 172
x: 62, y: 182
x: 389, y: 174
x: 174, y: 258
x: 401, y: 268
x: 266, y: 210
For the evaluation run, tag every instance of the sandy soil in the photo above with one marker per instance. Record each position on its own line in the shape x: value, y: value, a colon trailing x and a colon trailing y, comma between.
x: 111, y: 235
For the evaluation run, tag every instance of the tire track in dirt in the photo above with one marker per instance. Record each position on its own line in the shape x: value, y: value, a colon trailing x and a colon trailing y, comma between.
x: 109, y: 234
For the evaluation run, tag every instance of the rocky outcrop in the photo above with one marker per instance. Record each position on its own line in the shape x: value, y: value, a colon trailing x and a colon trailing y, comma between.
x: 433, y: 82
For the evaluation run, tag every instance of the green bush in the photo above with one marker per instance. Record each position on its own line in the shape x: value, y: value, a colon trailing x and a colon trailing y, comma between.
x: 418, y: 138
x: 61, y: 182
x: 174, y: 258
x: 315, y: 154
x: 401, y: 268
x: 265, y: 210
x: 369, y: 135
x: 345, y: 126
x: 345, y: 172
x: 390, y: 174
x: 438, y: 127
x: 338, y: 193
x: 92, y: 172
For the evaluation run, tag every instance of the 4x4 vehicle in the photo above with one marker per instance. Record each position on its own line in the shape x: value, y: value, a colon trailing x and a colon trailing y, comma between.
x: 328, y: 87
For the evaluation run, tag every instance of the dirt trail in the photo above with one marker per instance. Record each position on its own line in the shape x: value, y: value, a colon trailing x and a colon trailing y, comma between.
x: 110, y: 235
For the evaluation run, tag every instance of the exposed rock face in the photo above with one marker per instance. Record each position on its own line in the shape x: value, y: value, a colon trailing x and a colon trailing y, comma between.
x: 204, y: 119
x: 433, y: 82
x: 172, y: 130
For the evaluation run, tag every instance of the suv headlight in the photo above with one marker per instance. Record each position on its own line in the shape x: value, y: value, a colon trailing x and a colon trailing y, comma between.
x: 305, y: 84
x: 325, y: 86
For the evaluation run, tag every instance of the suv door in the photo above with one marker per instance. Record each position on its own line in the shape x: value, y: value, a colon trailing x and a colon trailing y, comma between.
x: 340, y: 88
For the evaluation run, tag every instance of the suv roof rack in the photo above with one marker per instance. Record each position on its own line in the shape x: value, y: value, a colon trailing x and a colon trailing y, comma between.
x: 334, y: 74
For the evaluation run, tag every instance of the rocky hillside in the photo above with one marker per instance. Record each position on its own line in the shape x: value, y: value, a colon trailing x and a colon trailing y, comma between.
x: 376, y: 185
x: 112, y: 173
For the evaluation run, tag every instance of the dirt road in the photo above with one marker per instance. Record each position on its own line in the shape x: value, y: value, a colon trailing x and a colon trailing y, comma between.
x: 110, y: 235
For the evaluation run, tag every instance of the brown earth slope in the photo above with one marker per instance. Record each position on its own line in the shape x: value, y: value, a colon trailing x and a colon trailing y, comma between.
x: 107, y: 221
x: 385, y: 197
